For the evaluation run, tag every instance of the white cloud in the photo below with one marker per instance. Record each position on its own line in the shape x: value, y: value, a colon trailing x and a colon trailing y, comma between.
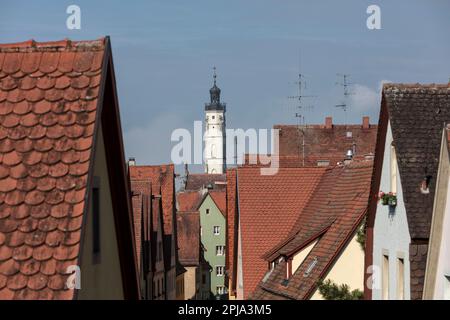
x: 365, y: 98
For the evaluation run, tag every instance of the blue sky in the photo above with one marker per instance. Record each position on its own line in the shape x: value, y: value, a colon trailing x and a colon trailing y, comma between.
x: 164, y: 52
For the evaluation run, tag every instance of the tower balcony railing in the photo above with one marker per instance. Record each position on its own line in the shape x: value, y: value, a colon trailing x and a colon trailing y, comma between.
x: 215, y: 106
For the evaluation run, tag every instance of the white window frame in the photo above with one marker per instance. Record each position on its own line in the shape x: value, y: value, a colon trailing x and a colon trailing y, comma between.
x: 218, y: 230
x: 220, y: 271
x: 220, y: 250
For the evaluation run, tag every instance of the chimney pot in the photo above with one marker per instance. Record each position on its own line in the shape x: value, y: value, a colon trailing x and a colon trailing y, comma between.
x: 328, y: 122
x: 365, y: 123
x: 131, y: 162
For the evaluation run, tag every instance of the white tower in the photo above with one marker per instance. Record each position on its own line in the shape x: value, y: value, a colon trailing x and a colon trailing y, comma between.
x: 215, y: 132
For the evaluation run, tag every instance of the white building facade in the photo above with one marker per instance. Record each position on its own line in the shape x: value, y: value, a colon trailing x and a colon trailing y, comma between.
x: 214, y: 137
x: 391, y: 240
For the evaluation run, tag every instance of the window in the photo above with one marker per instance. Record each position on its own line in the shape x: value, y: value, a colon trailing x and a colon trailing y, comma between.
x: 216, y: 230
x: 213, y: 150
x: 220, y: 290
x: 220, y: 250
x: 400, y: 279
x: 385, y: 278
x: 349, y: 134
x: 213, y: 117
x: 96, y: 220
x: 207, y: 211
x: 220, y: 270
x: 393, y: 170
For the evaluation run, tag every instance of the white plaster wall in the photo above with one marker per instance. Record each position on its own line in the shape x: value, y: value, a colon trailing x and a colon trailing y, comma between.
x: 391, y: 233
x: 348, y: 269
x: 443, y: 269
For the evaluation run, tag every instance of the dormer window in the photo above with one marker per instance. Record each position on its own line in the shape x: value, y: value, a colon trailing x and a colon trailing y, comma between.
x: 424, y: 186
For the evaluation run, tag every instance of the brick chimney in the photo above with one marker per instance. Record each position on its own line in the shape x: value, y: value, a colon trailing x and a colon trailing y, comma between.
x: 365, y: 123
x: 328, y: 123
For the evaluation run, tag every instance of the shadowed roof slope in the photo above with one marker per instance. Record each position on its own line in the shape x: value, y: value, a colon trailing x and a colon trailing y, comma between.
x: 417, y: 115
x: 189, y: 238
x: 53, y: 97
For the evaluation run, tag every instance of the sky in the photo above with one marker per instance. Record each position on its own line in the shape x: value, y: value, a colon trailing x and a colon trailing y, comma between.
x: 164, y: 52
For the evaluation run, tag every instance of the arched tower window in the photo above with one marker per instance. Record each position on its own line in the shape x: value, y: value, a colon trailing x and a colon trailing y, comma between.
x: 393, y: 170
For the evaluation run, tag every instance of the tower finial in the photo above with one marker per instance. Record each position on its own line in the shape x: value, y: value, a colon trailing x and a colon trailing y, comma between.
x: 214, y: 74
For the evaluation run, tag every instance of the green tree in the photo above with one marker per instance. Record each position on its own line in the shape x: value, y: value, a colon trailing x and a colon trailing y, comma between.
x: 332, y: 291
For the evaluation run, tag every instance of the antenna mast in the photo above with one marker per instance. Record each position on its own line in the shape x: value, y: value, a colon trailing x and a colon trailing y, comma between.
x: 301, y: 123
x: 345, y: 84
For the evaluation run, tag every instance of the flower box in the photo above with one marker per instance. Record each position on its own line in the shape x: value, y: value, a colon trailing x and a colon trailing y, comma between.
x: 388, y: 198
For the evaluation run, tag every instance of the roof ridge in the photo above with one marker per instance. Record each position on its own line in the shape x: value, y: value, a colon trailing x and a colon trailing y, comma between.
x: 32, y: 45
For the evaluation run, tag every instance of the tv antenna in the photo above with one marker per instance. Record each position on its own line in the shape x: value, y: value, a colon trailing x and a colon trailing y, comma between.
x: 301, y: 108
x: 345, y: 84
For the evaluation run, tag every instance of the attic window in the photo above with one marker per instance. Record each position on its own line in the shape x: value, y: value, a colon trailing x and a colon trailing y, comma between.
x: 425, y: 184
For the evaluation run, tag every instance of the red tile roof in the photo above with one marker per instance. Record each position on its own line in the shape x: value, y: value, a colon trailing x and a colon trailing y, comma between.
x: 331, y: 216
x: 188, y: 224
x: 324, y: 142
x: 160, y: 177
x: 188, y: 200
x: 268, y: 207
x: 139, y: 189
x: 197, y: 181
x: 49, y: 101
x: 231, y: 238
x: 220, y: 199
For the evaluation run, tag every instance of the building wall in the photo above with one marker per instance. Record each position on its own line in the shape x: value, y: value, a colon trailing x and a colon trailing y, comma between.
x: 437, y: 277
x: 299, y: 257
x: 190, y: 283
x: 214, y: 141
x: 442, y: 284
x: 101, y: 278
x: 348, y: 269
x: 210, y: 241
x: 391, y: 233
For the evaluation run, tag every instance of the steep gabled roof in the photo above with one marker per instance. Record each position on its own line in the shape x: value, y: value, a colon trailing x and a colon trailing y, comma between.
x: 219, y: 197
x: 331, y: 217
x: 163, y: 186
x: 417, y: 114
x: 268, y: 207
x: 161, y: 178
x: 189, y: 238
x: 188, y: 200
x: 53, y: 98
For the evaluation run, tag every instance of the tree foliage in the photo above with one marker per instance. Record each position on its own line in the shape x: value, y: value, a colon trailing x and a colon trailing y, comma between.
x: 332, y: 291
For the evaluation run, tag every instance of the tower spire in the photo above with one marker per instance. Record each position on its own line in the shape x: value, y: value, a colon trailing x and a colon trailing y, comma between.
x: 214, y: 74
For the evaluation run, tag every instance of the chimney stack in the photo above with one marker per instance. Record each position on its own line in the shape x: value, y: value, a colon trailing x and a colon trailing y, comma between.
x: 328, y: 123
x: 365, y: 123
x: 131, y: 162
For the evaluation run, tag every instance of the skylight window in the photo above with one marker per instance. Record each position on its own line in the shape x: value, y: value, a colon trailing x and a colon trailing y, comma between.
x: 310, y: 267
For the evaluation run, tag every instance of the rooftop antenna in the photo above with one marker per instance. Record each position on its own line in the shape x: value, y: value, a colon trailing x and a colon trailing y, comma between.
x: 301, y: 122
x: 345, y: 84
